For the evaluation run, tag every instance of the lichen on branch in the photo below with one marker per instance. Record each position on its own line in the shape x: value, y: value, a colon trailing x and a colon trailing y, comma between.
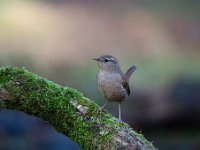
x: 67, y: 110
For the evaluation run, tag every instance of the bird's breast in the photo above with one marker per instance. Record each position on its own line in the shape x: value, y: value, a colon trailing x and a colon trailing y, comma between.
x: 110, y: 86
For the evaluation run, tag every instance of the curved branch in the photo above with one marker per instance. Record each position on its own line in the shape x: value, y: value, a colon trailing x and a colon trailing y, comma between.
x: 68, y: 111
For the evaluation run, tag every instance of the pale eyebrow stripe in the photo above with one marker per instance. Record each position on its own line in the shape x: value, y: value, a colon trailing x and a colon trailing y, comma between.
x: 111, y: 59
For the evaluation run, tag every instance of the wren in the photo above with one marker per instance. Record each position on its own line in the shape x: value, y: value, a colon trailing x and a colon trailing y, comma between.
x: 112, y: 83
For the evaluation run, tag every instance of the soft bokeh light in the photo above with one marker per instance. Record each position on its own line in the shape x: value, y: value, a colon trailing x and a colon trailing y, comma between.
x: 58, y: 39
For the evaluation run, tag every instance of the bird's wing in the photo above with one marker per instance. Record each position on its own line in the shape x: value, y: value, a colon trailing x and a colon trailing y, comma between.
x: 126, y: 86
x: 129, y: 72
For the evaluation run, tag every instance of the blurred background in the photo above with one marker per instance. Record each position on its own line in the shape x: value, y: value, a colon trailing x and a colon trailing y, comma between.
x: 57, y: 39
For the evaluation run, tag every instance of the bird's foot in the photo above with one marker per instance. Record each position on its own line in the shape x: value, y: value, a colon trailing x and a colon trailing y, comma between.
x: 101, y: 109
x: 119, y: 120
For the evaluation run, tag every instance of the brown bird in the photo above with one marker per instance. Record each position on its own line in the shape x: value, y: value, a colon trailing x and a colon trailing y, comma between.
x: 112, y: 83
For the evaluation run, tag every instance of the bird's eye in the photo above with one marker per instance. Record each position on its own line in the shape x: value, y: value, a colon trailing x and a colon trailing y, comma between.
x: 106, y: 60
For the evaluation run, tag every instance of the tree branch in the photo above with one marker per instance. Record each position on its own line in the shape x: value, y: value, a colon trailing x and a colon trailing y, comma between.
x: 67, y: 110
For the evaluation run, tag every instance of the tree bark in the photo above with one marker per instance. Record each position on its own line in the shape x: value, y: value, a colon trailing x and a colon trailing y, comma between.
x: 67, y: 110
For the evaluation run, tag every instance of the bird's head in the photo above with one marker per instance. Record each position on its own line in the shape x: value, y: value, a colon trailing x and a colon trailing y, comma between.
x: 107, y: 62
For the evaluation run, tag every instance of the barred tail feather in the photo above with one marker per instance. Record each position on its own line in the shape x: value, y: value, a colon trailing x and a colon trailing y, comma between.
x: 129, y: 72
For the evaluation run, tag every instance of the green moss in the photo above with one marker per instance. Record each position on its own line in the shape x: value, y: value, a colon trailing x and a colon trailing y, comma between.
x: 59, y: 106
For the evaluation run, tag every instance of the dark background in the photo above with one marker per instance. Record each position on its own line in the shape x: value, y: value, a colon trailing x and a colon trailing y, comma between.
x: 58, y: 39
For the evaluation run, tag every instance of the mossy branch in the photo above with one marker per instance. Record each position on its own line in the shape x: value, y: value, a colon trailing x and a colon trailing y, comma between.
x: 67, y: 110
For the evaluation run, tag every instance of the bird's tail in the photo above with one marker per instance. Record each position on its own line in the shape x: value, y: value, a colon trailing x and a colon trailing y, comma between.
x: 129, y: 72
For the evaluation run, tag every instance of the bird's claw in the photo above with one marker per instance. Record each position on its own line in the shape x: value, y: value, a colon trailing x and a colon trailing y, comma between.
x: 119, y: 120
x: 101, y: 109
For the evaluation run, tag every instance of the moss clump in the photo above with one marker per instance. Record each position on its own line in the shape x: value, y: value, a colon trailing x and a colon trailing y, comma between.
x: 67, y: 110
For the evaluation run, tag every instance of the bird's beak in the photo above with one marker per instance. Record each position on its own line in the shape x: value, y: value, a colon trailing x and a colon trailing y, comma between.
x: 96, y: 59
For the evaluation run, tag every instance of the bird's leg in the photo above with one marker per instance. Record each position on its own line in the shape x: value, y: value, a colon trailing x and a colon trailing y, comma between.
x: 119, y: 119
x: 102, y: 107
